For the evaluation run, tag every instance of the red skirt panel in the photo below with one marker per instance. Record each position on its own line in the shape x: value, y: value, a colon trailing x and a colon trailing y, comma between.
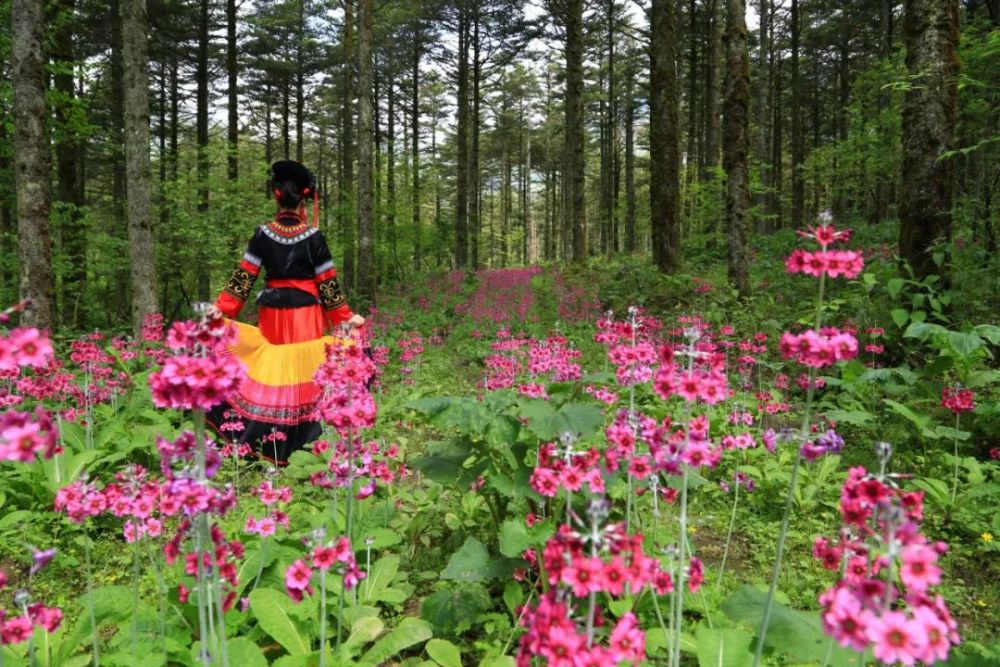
x: 290, y: 325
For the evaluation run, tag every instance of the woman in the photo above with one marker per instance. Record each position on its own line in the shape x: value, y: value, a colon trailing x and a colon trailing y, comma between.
x: 273, y: 410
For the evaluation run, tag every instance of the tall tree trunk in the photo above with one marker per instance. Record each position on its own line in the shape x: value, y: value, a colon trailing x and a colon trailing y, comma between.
x: 664, y: 148
x: 736, y: 144
x: 286, y: 118
x: 300, y: 82
x: 713, y: 88
x: 31, y: 162
x: 475, y: 123
x: 575, y: 176
x: 530, y: 251
x: 415, y: 145
x: 795, y: 110
x: 930, y: 29
x: 142, y: 254
x: 118, y: 175
x: 630, y: 203
x: 232, y: 73
x: 777, y: 154
x: 366, y: 203
x: 203, y: 277
x: 461, y: 143
x: 763, y: 116
x: 73, y: 231
x: 347, y: 187
x: 692, y: 102
x: 390, y: 176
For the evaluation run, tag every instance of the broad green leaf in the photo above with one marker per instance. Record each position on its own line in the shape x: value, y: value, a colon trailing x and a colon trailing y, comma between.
x: 724, y: 647
x: 798, y: 634
x: 964, y: 343
x: 375, y: 587
x: 515, y: 536
x: 444, y: 653
x: 272, y: 611
x: 513, y: 596
x: 899, y: 316
x: 894, y: 287
x: 453, y: 608
x: 364, y: 631
x: 472, y: 563
x: 244, y: 653
x: 990, y: 332
x: 409, y: 632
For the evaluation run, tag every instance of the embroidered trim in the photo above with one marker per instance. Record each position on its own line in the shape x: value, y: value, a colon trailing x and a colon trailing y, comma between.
x: 330, y: 294
x: 324, y: 267
x: 240, y: 284
x: 253, y: 259
x: 275, y: 235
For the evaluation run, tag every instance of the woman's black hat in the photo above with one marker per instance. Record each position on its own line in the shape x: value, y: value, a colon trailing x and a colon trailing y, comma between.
x: 290, y: 170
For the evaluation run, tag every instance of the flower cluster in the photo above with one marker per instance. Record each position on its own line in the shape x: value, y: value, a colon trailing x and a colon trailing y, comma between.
x: 346, y: 403
x: 902, y: 623
x: 25, y: 347
x: 272, y: 498
x: 298, y: 576
x: 834, y: 263
x: 567, y: 469
x: 15, y: 629
x: 25, y: 435
x: 958, y: 399
x: 552, y: 634
x: 819, y: 349
x: 371, y: 460
x: 200, y: 373
x: 827, y: 443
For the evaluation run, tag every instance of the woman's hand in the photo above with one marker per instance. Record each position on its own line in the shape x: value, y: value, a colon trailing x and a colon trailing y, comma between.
x: 213, y: 313
x: 356, y: 321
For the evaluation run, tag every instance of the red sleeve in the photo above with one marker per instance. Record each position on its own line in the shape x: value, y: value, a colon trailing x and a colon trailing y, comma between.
x: 331, y: 295
x: 236, y: 292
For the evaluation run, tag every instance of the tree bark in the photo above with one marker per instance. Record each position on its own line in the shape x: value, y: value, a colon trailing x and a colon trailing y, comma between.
x: 390, y: 175
x: 347, y: 189
x: 300, y: 83
x: 475, y: 123
x: 713, y: 89
x: 142, y: 254
x: 930, y: 29
x: 461, y: 143
x: 664, y: 147
x: 68, y: 149
x: 795, y: 110
x: 118, y: 175
x: 232, y: 73
x: 574, y: 159
x: 415, y: 144
x: 203, y: 287
x: 630, y: 203
x: 736, y: 145
x: 366, y: 202
x: 32, y: 162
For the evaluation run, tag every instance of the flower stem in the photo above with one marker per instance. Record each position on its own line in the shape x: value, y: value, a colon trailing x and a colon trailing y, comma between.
x: 90, y: 596
x: 322, y: 618
x: 729, y: 535
x: 954, y: 482
x: 682, y: 568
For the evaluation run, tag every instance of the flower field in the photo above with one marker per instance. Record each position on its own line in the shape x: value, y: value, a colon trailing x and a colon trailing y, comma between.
x: 579, y: 466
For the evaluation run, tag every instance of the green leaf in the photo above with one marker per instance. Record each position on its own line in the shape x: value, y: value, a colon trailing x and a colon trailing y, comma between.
x: 444, y: 653
x: 444, y: 463
x: 724, y: 647
x: 899, y: 316
x: 894, y: 287
x: 798, y: 634
x: 409, y: 632
x: 472, y: 563
x: 245, y: 653
x: 515, y: 536
x: 964, y: 343
x: 513, y: 596
x: 580, y: 419
x: 375, y: 587
x: 272, y: 611
x: 990, y: 332
x: 364, y: 631
x: 453, y: 608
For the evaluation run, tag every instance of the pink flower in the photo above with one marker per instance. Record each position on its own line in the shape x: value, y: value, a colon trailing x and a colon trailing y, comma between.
x: 627, y: 641
x: 896, y: 638
x: 584, y: 575
x: 845, y: 621
x: 297, y: 576
x: 919, y: 570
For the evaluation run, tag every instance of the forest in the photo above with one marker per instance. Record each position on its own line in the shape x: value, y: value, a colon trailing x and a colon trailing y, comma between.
x: 591, y: 333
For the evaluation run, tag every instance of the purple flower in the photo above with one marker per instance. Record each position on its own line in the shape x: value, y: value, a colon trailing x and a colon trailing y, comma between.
x: 40, y: 560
